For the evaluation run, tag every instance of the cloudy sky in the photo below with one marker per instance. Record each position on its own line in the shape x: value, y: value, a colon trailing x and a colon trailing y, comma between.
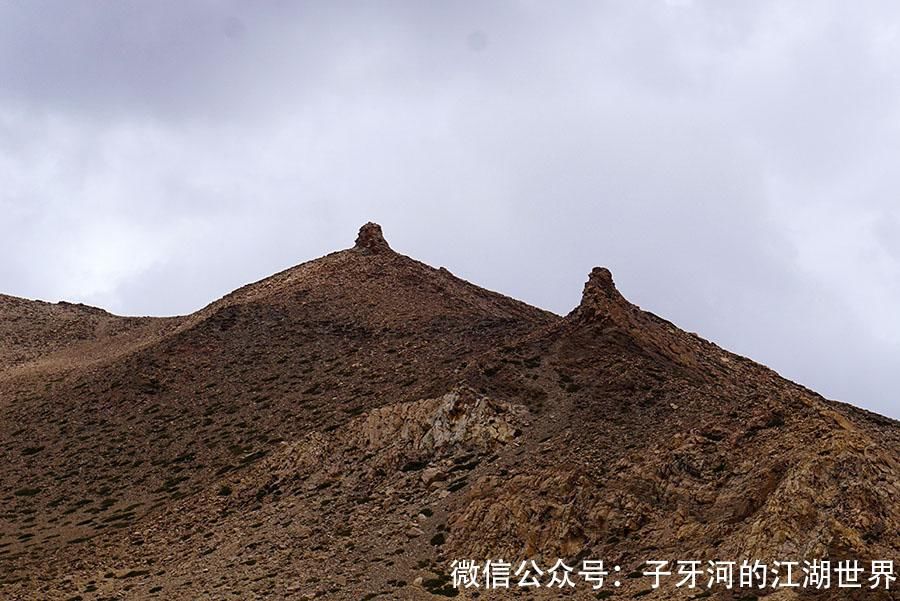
x: 734, y: 163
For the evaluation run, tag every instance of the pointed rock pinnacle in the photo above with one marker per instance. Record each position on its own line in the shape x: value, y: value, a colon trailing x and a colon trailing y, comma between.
x: 371, y: 240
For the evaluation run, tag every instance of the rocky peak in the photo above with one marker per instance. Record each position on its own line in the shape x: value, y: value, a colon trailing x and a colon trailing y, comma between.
x: 371, y: 240
x: 600, y: 296
x: 602, y: 304
x: 600, y: 281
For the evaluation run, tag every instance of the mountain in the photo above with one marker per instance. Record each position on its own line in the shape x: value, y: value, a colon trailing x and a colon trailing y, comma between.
x: 349, y: 427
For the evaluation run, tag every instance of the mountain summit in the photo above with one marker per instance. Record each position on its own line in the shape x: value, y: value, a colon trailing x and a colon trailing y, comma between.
x: 349, y: 427
x: 371, y: 239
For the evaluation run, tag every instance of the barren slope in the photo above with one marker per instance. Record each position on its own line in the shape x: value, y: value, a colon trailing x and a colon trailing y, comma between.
x: 40, y: 335
x: 346, y: 428
x: 97, y: 447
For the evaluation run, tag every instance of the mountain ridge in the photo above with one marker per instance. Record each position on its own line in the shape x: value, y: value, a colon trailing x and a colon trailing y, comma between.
x: 371, y: 411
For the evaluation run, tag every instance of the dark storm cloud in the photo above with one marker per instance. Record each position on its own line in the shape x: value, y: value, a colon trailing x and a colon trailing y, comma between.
x: 733, y: 163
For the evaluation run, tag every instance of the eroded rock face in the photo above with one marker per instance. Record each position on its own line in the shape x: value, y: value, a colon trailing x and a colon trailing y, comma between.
x: 410, y: 436
x: 460, y: 417
x: 693, y: 495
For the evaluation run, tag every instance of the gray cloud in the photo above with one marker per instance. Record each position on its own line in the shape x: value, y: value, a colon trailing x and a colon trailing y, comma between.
x: 733, y: 163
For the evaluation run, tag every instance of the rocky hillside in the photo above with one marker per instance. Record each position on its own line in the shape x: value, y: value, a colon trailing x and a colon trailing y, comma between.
x: 348, y: 428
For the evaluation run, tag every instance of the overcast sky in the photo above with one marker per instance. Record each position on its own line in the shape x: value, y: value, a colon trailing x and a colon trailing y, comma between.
x: 736, y: 164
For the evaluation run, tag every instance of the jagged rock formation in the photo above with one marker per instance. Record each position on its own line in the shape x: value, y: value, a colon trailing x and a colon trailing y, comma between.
x: 346, y: 428
x: 370, y: 239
